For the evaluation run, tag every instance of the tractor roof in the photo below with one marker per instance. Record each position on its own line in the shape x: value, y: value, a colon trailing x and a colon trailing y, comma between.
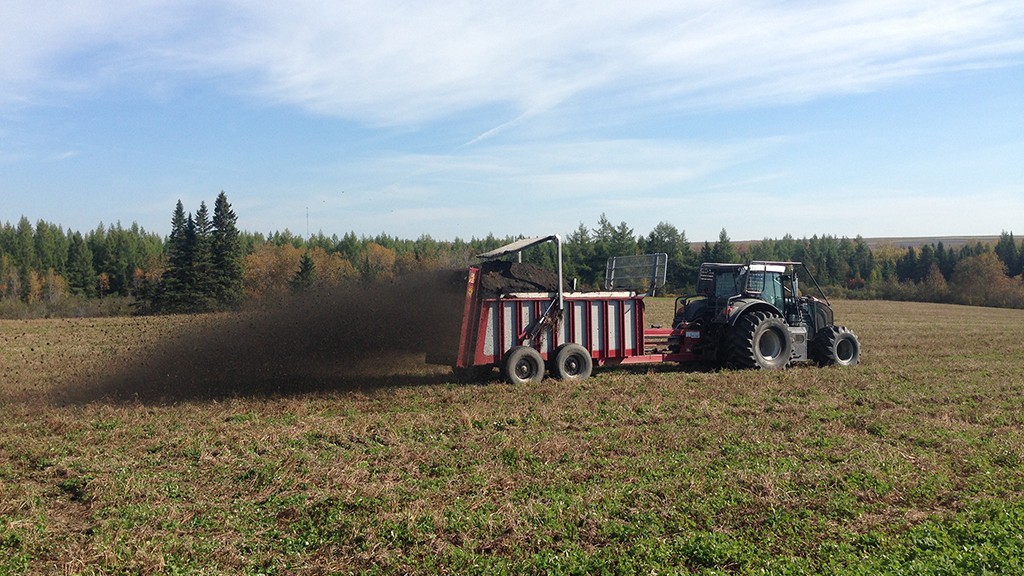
x: 757, y: 265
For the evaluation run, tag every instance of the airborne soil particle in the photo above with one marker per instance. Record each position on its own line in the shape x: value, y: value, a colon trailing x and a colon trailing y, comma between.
x: 358, y: 337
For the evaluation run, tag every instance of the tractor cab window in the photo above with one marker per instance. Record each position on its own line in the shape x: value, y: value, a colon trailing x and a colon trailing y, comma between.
x: 727, y: 283
x: 772, y: 292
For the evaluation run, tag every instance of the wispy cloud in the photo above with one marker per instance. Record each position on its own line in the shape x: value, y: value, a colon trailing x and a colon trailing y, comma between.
x: 542, y: 186
x: 392, y: 62
x: 66, y: 155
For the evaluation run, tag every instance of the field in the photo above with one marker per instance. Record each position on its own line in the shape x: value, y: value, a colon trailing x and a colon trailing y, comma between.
x: 910, y: 463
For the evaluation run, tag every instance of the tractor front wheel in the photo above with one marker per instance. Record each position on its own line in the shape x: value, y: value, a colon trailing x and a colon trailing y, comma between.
x: 760, y: 340
x: 522, y: 365
x: 836, y: 346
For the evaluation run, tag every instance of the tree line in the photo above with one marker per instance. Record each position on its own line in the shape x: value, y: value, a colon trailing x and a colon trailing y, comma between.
x: 207, y: 263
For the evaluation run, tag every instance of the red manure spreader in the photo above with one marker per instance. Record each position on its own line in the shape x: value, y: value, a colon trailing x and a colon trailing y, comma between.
x: 523, y: 321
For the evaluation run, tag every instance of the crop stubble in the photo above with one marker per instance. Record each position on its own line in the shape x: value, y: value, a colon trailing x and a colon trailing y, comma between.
x: 126, y: 445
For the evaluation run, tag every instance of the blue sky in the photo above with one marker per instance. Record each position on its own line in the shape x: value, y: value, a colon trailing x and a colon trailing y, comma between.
x: 458, y: 119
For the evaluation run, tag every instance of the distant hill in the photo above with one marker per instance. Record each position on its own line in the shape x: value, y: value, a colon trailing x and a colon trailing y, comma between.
x: 896, y: 241
x: 916, y: 242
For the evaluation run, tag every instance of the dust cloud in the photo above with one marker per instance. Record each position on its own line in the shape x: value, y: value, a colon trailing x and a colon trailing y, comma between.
x: 360, y: 337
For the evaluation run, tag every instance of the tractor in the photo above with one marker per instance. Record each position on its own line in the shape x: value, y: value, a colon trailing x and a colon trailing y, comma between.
x: 754, y: 316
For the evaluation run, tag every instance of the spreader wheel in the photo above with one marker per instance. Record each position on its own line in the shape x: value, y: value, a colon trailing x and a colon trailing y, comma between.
x: 522, y: 365
x: 836, y: 346
x: 572, y: 362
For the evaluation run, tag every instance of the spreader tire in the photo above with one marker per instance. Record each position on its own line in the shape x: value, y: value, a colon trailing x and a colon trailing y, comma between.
x: 523, y: 365
x: 760, y: 340
x: 836, y: 346
x: 572, y: 362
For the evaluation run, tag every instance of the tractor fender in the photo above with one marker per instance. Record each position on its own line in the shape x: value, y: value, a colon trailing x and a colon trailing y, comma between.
x: 739, y: 308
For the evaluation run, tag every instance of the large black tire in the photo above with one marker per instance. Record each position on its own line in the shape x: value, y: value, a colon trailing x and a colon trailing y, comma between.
x: 760, y: 340
x: 572, y: 362
x: 523, y: 365
x: 836, y: 346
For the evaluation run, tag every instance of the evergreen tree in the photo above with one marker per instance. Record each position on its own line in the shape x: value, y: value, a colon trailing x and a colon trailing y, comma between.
x: 1008, y: 252
x: 707, y: 253
x: 724, y: 251
x: 862, y: 261
x: 305, y: 278
x: 82, y: 277
x: 667, y: 239
x: 906, y: 267
x: 578, y: 252
x: 25, y: 255
x: 766, y: 249
x: 6, y: 239
x: 97, y: 240
x: 118, y: 261
x: 946, y: 258
x: 172, y: 294
x: 623, y: 241
x: 226, y: 254
x: 51, y: 247
x: 188, y: 271
x: 24, y: 245
x: 602, y: 241
x: 350, y: 247
x: 203, y: 288
x: 609, y: 241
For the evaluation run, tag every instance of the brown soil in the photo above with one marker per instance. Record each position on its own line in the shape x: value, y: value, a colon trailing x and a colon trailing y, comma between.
x: 503, y: 277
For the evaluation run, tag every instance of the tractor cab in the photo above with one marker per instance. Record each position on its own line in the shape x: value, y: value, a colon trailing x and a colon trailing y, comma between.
x: 718, y: 285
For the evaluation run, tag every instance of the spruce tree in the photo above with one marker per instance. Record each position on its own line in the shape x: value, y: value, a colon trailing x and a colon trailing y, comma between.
x: 81, y: 274
x: 174, y: 283
x: 202, y: 295
x: 707, y: 254
x: 305, y: 278
x: 723, y: 250
x: 226, y: 254
x: 188, y: 271
x: 51, y: 249
x: 1008, y: 252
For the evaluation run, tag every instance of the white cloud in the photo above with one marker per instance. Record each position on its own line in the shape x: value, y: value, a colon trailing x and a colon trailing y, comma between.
x: 399, y: 63
x: 556, y: 169
x: 394, y: 62
x: 530, y: 188
x: 60, y: 46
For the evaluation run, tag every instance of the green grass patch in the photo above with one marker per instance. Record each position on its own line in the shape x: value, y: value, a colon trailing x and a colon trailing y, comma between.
x: 911, y: 463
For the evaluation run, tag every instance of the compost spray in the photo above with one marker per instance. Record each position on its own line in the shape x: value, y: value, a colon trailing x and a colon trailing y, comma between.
x: 364, y: 336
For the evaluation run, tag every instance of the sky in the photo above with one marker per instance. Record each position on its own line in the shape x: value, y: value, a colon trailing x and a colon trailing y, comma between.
x: 877, y: 118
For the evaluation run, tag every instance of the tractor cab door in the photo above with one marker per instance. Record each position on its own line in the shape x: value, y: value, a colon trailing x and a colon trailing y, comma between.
x: 765, y: 283
x: 773, y: 293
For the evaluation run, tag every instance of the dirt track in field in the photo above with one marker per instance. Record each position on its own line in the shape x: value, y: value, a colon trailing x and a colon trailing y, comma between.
x: 354, y: 338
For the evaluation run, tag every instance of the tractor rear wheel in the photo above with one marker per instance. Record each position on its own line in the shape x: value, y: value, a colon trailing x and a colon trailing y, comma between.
x: 760, y: 340
x: 572, y: 362
x: 522, y: 365
x: 836, y: 346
